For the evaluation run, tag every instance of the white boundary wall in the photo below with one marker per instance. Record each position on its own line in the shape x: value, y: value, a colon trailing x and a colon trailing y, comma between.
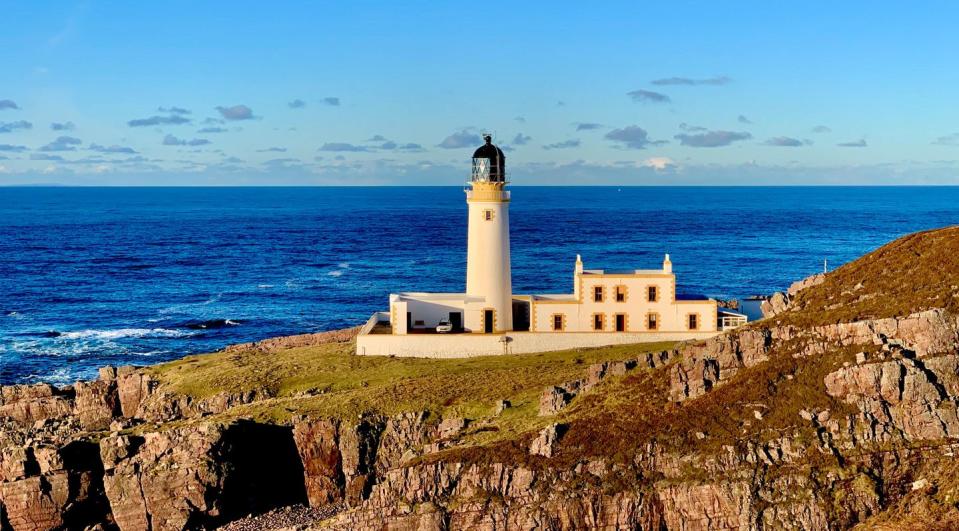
x: 470, y: 345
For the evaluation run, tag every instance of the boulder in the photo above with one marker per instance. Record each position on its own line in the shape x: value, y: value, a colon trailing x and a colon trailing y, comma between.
x: 451, y: 427
x: 28, y: 404
x: 545, y: 443
x: 133, y: 387
x: 808, y: 282
x: 553, y: 399
x: 96, y: 404
x: 776, y: 304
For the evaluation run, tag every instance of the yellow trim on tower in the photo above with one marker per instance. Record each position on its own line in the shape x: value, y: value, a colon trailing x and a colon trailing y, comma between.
x: 486, y: 192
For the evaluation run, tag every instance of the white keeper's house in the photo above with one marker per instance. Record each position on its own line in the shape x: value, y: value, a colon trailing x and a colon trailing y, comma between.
x: 604, y: 307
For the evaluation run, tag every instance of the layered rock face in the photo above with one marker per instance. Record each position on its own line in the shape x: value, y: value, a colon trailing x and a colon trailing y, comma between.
x: 872, y: 431
x: 199, y: 476
x: 389, y: 471
x: 54, y: 476
x: 708, y: 363
x: 43, y: 486
x: 903, y: 387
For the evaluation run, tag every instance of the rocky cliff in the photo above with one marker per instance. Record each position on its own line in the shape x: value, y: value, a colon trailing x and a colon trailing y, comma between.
x: 840, y: 411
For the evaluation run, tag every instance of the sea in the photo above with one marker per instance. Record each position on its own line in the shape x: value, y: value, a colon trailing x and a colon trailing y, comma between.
x: 114, y: 276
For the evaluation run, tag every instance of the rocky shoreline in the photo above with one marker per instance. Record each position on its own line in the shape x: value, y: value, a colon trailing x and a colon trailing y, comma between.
x: 118, y: 453
x: 772, y: 426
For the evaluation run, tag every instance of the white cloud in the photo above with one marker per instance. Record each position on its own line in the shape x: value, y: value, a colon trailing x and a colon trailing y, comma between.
x: 659, y: 163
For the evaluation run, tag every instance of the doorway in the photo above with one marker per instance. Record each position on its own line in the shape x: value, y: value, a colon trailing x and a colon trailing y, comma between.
x: 620, y: 322
x: 409, y: 322
x: 488, y: 321
x: 456, y: 321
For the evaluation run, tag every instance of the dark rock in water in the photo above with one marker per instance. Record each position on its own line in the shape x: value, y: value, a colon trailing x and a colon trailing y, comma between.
x: 211, y: 324
x: 50, y: 333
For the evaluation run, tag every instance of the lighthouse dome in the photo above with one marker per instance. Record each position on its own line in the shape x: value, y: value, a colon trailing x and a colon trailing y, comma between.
x: 489, y: 163
x: 488, y: 150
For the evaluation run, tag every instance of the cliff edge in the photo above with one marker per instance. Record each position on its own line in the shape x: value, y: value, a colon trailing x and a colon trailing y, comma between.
x: 839, y: 412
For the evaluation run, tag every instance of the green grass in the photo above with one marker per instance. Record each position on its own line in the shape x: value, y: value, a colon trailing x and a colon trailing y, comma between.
x: 914, y: 273
x: 342, y: 384
x: 618, y: 419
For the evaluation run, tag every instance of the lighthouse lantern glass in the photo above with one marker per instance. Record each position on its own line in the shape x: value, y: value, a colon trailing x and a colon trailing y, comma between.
x: 481, y: 170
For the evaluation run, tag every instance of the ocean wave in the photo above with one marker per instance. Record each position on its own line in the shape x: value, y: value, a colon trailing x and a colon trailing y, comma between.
x: 61, y: 376
x: 149, y: 353
x: 120, y: 333
x: 343, y: 265
x: 211, y: 324
x: 336, y: 273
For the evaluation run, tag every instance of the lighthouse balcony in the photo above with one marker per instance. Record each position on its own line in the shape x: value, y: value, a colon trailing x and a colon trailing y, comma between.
x: 487, y: 194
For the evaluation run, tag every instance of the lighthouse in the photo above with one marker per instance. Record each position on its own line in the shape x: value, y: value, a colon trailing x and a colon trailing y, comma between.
x: 488, y: 277
x: 603, y: 308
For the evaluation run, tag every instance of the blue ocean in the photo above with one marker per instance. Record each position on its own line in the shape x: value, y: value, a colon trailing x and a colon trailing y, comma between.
x: 97, y: 276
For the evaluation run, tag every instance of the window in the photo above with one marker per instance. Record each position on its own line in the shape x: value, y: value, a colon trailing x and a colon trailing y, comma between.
x: 558, y: 322
x: 652, y: 321
x: 620, y: 322
x: 620, y: 293
x: 598, y: 294
x: 598, y: 321
x: 693, y: 321
x: 488, y: 215
x: 652, y: 293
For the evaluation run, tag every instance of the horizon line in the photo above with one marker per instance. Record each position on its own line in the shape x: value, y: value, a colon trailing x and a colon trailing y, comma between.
x: 821, y: 185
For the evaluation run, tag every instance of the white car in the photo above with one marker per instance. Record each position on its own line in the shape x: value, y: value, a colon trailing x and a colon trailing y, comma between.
x: 444, y: 327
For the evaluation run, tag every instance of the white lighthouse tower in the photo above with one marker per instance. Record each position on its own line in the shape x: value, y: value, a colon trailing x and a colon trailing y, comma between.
x: 488, y: 278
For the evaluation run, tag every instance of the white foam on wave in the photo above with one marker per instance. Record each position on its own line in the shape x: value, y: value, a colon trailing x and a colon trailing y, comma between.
x: 231, y: 322
x: 336, y: 273
x: 61, y: 376
x: 343, y: 265
x: 122, y: 333
x: 264, y: 286
x: 149, y: 353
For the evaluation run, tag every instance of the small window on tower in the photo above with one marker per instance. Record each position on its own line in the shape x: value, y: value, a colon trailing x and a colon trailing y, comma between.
x: 652, y: 292
x: 488, y: 215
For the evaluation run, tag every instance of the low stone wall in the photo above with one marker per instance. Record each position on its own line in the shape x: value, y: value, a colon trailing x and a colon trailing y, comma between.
x: 470, y: 345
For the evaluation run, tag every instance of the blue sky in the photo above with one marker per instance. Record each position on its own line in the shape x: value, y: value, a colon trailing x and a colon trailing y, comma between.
x: 367, y: 93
